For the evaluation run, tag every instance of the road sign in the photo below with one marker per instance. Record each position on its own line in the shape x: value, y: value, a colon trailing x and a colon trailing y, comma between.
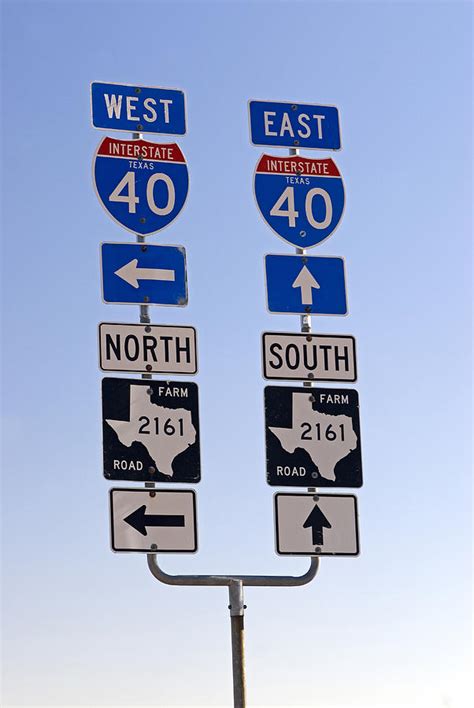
x: 134, y: 273
x: 143, y: 186
x: 306, y: 285
x: 300, y: 198
x: 312, y: 437
x: 311, y: 357
x: 140, y: 348
x: 158, y: 520
x: 294, y: 125
x: 316, y: 525
x: 150, y: 430
x: 143, y: 109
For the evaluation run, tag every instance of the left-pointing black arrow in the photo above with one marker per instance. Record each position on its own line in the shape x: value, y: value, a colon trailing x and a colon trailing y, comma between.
x: 139, y: 520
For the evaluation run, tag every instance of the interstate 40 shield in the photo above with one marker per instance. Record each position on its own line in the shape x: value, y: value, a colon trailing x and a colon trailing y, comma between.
x: 142, y: 185
x: 150, y: 430
x: 300, y: 198
x: 312, y: 437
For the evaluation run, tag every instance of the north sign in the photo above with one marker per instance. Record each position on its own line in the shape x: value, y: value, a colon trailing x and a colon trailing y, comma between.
x: 308, y: 357
x: 142, y: 185
x: 312, y: 437
x: 153, y: 521
x: 150, y: 430
x: 316, y: 525
x: 300, y: 198
x: 147, y: 348
x: 294, y: 125
x: 134, y: 273
x: 143, y: 109
x: 305, y: 285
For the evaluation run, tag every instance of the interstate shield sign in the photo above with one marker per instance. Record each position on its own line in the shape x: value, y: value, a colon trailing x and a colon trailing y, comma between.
x: 300, y: 198
x: 142, y: 185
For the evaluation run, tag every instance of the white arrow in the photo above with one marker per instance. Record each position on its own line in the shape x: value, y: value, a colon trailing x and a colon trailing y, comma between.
x: 132, y: 274
x: 306, y: 282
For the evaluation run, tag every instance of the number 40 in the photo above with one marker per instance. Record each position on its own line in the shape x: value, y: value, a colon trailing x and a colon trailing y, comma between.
x: 288, y: 195
x: 128, y: 181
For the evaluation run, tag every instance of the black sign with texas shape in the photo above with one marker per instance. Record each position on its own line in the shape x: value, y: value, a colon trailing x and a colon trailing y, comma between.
x: 150, y: 430
x: 312, y: 437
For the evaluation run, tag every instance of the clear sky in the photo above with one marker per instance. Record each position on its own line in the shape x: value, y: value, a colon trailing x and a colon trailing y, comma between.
x: 84, y: 626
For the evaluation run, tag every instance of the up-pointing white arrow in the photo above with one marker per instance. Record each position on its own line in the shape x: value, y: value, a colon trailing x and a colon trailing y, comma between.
x: 306, y: 282
x: 131, y: 273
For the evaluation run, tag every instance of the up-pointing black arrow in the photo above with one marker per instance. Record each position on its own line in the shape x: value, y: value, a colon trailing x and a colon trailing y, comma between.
x: 139, y: 520
x: 317, y: 521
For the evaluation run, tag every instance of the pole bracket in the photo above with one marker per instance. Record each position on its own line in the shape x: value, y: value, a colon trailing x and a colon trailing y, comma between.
x: 230, y: 580
x: 236, y: 598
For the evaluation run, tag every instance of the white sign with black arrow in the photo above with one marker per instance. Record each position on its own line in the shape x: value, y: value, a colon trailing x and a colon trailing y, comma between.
x: 149, y: 520
x: 316, y: 525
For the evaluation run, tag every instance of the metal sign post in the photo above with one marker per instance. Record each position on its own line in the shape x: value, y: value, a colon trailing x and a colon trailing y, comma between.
x: 235, y: 583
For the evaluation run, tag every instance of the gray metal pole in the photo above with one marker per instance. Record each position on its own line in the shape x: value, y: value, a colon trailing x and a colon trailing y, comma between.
x: 144, y: 309
x: 305, y: 320
x: 237, y: 607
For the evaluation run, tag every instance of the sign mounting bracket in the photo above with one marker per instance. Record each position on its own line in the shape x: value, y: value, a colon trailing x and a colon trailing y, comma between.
x: 236, y: 605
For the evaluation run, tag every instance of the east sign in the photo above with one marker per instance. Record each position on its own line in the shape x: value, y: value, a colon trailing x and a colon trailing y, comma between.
x: 294, y: 125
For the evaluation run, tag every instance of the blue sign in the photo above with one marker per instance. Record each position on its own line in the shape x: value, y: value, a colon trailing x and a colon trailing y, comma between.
x: 306, y: 285
x: 295, y: 125
x: 139, y: 109
x: 300, y: 198
x: 143, y: 186
x: 135, y: 273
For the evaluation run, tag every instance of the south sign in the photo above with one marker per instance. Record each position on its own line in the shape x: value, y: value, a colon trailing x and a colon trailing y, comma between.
x: 300, y: 198
x: 142, y: 185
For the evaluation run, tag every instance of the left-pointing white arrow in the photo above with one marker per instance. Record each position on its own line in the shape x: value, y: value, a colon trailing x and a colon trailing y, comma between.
x: 306, y: 281
x: 131, y: 273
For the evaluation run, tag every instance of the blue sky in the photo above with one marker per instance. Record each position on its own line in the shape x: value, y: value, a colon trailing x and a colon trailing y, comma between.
x: 84, y: 626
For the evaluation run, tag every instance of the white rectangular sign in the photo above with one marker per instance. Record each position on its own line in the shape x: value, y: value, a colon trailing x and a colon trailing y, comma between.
x: 309, y: 357
x: 153, y: 520
x: 316, y: 525
x: 147, y: 348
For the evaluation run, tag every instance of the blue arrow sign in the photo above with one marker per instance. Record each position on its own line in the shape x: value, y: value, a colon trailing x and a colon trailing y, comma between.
x: 300, y: 125
x: 300, y: 198
x: 139, y: 109
x: 142, y: 185
x: 306, y: 285
x: 138, y: 273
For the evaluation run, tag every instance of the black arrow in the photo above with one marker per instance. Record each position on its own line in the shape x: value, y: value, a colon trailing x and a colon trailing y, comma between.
x: 139, y: 520
x: 317, y: 521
